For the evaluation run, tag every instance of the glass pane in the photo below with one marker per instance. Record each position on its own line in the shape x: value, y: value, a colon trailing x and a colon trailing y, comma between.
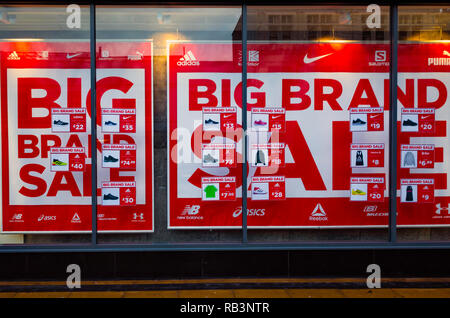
x: 423, y: 114
x: 318, y: 114
x: 172, y: 100
x: 45, y: 107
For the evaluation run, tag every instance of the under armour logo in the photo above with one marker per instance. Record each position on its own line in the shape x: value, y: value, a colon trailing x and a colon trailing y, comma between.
x: 439, y: 208
x: 136, y: 216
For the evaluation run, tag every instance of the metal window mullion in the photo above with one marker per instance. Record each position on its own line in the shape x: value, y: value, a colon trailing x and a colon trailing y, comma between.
x: 93, y: 42
x: 393, y: 125
x: 244, y: 123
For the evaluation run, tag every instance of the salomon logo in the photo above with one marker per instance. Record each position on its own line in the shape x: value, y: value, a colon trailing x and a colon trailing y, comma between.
x: 188, y: 60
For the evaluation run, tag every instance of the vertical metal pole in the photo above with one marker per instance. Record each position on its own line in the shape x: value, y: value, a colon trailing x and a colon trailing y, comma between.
x: 244, y: 123
x: 93, y: 42
x: 393, y: 125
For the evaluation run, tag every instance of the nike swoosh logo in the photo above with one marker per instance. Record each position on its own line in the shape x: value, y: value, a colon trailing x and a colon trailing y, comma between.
x: 126, y: 117
x: 308, y: 60
x: 226, y: 116
x: 73, y: 55
x: 274, y: 117
x: 374, y: 116
x: 424, y: 117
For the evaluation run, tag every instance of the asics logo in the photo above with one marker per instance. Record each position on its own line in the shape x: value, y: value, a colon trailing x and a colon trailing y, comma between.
x: 308, y: 60
x: 188, y: 60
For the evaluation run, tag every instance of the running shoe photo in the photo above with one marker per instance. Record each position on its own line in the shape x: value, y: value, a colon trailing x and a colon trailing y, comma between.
x: 258, y: 190
x: 57, y: 162
x: 358, y: 122
x: 357, y: 192
x: 60, y: 123
x: 110, y: 123
x: 208, y: 158
x: 211, y: 122
x: 110, y: 159
x: 260, y: 123
x: 109, y: 196
x: 409, y: 122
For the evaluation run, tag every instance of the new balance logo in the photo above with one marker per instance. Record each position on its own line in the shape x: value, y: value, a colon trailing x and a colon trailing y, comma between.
x: 318, y: 214
x: 439, y: 209
x: 188, y: 60
x: 191, y: 210
x: 18, y: 217
x: 13, y: 56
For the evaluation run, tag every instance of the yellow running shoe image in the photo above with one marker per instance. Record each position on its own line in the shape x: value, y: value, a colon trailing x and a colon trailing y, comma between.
x: 357, y: 192
x: 56, y: 162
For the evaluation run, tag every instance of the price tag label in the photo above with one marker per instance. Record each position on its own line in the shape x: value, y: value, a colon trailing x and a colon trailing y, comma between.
x: 417, y: 156
x: 421, y: 120
x: 367, y: 155
x: 218, y: 188
x: 417, y: 190
x: 366, y: 119
x: 118, y: 193
x: 268, y: 119
x: 367, y: 189
x: 121, y: 156
x: 67, y: 159
x: 268, y: 188
x: 265, y: 155
x: 68, y: 120
x: 219, y: 118
x: 219, y: 155
x: 115, y: 120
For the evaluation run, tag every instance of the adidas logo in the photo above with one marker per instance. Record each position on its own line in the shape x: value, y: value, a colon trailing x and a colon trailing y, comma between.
x: 188, y: 60
x: 13, y: 56
x: 318, y: 214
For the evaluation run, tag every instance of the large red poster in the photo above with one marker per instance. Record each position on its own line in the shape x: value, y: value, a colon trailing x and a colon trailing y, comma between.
x: 46, y: 137
x: 319, y: 139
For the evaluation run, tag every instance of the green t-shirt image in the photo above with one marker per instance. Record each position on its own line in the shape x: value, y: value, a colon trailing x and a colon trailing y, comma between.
x: 210, y: 191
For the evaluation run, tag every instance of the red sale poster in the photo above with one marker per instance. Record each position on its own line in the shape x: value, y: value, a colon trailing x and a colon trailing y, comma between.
x: 327, y: 104
x: 46, y: 137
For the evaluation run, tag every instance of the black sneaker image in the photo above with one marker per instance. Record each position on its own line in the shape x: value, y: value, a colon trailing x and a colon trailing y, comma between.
x: 110, y: 159
x: 110, y: 123
x: 60, y: 123
x: 260, y: 158
x: 208, y: 158
x: 211, y: 122
x: 358, y: 122
x: 109, y: 196
x: 359, y: 158
x: 409, y: 122
x: 409, y: 194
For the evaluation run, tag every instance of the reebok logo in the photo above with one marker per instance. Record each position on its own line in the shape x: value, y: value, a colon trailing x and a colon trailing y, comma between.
x: 76, y: 218
x: 318, y: 214
x: 14, y: 56
x: 188, y: 60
